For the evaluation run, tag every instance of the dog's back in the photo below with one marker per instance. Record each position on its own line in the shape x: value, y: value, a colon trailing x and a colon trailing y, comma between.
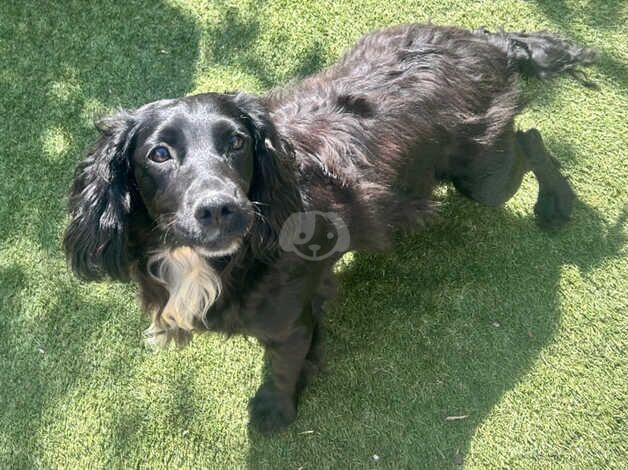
x: 409, y: 106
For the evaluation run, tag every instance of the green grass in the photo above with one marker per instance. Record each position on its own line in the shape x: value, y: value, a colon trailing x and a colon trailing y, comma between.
x: 482, y: 315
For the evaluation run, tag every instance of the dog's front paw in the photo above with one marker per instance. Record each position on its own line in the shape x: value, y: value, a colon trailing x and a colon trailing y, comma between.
x: 270, y: 411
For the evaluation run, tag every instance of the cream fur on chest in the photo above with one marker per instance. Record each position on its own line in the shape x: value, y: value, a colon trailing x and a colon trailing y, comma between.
x: 193, y: 286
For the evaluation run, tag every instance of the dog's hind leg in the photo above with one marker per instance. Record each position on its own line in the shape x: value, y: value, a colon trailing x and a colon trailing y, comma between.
x: 555, y: 200
x: 493, y: 177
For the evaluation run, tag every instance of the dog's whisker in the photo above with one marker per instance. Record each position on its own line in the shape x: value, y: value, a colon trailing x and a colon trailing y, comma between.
x: 169, y: 227
x: 163, y: 221
x: 261, y: 216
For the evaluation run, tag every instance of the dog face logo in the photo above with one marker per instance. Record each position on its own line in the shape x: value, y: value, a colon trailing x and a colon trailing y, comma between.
x: 314, y: 235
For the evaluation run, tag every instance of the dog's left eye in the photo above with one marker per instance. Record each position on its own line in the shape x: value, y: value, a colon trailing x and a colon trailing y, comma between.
x: 235, y: 142
x: 159, y: 154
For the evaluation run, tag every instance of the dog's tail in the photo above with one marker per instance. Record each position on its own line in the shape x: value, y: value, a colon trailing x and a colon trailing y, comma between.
x: 541, y: 54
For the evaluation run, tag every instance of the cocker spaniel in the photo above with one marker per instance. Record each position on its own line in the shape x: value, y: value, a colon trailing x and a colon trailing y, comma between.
x: 229, y: 210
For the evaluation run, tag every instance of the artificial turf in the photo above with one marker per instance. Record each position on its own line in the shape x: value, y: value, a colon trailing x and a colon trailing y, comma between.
x: 518, y: 334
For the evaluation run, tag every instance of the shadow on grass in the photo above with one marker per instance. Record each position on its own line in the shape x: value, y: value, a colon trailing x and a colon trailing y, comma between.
x: 60, y: 67
x: 232, y: 42
x: 599, y: 14
x: 49, y: 349
x: 615, y: 70
x: 63, y: 67
x: 442, y: 326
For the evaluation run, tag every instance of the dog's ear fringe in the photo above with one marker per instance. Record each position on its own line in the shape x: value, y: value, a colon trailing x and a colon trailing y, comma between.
x: 273, y: 187
x: 95, y: 241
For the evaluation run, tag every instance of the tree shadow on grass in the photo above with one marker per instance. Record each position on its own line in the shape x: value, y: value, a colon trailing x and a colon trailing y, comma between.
x: 232, y: 42
x: 615, y: 70
x: 48, y: 347
x: 63, y: 67
x: 598, y: 14
x: 444, y: 325
x: 60, y: 67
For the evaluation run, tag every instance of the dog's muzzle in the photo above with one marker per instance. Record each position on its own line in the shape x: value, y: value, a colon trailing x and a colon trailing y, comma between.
x: 215, y: 222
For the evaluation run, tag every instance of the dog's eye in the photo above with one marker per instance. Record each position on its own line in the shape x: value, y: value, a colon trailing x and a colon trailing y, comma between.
x: 159, y: 154
x: 235, y: 142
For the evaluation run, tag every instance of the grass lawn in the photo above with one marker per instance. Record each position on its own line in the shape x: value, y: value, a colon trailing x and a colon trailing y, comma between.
x: 481, y: 316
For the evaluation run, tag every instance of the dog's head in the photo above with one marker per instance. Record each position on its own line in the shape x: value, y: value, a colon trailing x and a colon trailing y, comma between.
x: 199, y: 172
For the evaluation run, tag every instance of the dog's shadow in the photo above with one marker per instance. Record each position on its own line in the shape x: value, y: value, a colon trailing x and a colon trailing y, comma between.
x: 424, y: 341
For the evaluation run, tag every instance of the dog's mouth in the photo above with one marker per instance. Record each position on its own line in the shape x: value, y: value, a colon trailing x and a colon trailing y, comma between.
x: 213, y: 244
x: 220, y: 248
x: 210, y: 242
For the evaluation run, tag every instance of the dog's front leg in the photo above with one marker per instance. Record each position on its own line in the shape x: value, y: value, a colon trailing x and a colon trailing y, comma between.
x: 274, y: 405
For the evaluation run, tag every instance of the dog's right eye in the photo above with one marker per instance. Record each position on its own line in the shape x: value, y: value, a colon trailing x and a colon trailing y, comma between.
x: 159, y: 154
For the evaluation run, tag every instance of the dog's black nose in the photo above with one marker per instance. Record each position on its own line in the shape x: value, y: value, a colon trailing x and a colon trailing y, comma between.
x: 214, y: 212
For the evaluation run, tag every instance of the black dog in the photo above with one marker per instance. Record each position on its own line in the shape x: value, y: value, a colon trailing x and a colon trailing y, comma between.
x: 229, y: 210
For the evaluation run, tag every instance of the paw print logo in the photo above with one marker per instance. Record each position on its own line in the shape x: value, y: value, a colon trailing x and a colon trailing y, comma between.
x: 314, y: 235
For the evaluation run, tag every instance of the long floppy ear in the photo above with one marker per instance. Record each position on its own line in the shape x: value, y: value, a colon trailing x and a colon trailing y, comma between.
x: 273, y: 187
x: 95, y: 241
